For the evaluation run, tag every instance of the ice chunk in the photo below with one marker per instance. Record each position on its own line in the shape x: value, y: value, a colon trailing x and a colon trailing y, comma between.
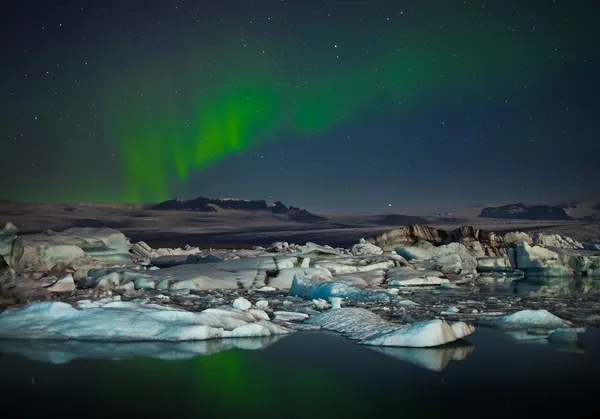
x: 454, y: 258
x: 530, y: 319
x: 405, y: 276
x: 128, y: 321
x: 307, y: 289
x: 336, y: 302
x: 242, y: 304
x: 290, y: 316
x: 64, y: 284
x: 516, y: 237
x: 7, y: 235
x: 320, y: 304
x: 369, y: 329
x: 364, y: 248
x: 262, y: 304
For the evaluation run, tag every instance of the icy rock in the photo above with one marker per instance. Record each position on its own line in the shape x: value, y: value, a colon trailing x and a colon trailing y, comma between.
x: 453, y: 309
x: 516, y: 237
x: 315, y: 251
x: 290, y: 316
x: 142, y: 250
x: 408, y: 235
x: 64, y: 284
x: 242, y: 304
x: 412, y: 253
x: 454, y: 258
x: 34, y: 256
x: 556, y: 240
x: 369, y: 329
x: 266, y: 289
x: 530, y: 319
x: 7, y: 235
x: 119, y: 321
x: 309, y: 290
x: 336, y: 302
x: 363, y: 248
x: 320, y: 304
x: 474, y: 247
x: 262, y: 304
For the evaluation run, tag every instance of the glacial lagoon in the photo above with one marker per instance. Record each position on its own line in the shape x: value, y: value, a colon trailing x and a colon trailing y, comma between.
x: 306, y: 374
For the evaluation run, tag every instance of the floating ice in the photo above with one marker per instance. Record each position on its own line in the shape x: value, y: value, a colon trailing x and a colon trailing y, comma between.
x: 530, y: 319
x: 129, y: 322
x: 309, y: 290
x: 369, y: 329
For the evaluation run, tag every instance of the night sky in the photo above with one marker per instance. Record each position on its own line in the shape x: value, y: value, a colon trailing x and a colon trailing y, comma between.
x: 328, y: 105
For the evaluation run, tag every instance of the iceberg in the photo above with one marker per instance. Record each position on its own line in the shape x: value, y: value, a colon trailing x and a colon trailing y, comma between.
x: 369, y: 329
x: 524, y: 319
x: 537, y: 261
x: 309, y: 290
x: 133, y: 321
x: 61, y: 352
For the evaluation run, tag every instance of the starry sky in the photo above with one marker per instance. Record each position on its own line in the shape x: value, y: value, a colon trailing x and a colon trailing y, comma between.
x: 328, y: 105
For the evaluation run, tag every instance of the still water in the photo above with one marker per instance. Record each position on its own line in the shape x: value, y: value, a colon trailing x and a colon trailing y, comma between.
x: 308, y: 374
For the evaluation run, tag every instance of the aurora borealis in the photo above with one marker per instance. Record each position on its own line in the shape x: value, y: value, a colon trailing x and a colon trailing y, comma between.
x: 330, y: 105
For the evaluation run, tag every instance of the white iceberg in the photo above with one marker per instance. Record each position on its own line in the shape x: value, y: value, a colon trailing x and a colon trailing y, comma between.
x: 537, y: 261
x: 370, y: 329
x: 117, y: 321
x: 524, y: 319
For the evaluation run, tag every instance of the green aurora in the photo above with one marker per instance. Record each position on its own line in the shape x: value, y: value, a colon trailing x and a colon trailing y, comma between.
x: 175, y: 105
x: 248, y: 108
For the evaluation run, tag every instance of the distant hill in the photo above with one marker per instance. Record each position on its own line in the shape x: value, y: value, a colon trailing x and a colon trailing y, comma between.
x: 202, y: 204
x: 523, y: 212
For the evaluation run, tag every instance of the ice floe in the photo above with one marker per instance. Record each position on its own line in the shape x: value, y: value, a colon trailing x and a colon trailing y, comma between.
x: 119, y: 321
x: 369, y: 329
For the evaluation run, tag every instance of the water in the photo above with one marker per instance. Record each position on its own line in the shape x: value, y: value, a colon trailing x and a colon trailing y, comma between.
x: 313, y: 375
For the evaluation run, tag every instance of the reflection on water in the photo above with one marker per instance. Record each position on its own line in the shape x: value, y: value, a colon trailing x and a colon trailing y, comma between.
x: 559, y: 286
x: 309, y: 374
x: 59, y: 352
x: 433, y: 359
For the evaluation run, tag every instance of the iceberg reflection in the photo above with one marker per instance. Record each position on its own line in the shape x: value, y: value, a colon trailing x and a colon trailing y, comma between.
x: 61, y: 352
x: 433, y: 359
